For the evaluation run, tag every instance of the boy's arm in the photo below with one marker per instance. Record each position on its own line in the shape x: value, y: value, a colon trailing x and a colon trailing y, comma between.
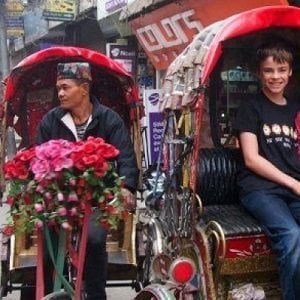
x: 261, y: 166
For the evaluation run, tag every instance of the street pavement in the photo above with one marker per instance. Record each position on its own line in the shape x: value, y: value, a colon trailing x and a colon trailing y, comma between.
x: 124, y: 293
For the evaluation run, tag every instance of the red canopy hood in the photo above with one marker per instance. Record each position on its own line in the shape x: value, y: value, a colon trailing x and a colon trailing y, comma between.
x: 246, y: 23
x: 244, y: 30
x: 48, y: 59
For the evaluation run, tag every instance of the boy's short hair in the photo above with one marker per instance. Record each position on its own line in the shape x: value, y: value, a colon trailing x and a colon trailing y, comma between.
x: 280, y: 52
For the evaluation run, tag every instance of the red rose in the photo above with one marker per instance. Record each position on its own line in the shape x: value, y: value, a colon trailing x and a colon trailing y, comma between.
x: 108, y: 151
x: 81, y: 182
x: 8, y: 230
x: 79, y: 190
x: 104, y: 224
x: 10, y: 200
x: 22, y: 171
x: 90, y: 160
x: 10, y: 170
x: 101, y: 168
x: 26, y: 155
x: 27, y: 199
x: 88, y: 196
x: 77, y: 159
x: 89, y: 147
x: 102, y: 205
x: 97, y: 140
x: 110, y: 209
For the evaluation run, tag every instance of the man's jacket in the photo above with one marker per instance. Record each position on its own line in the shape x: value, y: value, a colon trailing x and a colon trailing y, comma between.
x: 105, y: 124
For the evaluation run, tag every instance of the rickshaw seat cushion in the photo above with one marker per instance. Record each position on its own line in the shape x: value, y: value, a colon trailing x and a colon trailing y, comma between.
x: 217, y: 169
x: 234, y: 220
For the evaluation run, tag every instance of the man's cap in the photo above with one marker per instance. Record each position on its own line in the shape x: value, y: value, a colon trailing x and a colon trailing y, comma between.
x: 74, y: 70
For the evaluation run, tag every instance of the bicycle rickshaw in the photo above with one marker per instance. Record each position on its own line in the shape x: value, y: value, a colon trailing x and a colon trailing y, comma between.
x: 29, y: 94
x: 197, y: 212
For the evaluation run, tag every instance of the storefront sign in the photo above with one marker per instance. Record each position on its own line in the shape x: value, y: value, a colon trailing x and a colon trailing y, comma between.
x: 154, y: 122
x: 14, y: 18
x: 165, y: 32
x: 124, y: 55
x: 112, y: 5
x: 109, y: 7
x: 60, y: 10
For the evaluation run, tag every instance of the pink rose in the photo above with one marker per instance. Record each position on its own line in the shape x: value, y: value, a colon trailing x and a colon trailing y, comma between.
x: 72, y: 197
x: 38, y: 207
x: 66, y: 226
x: 40, y: 168
x: 48, y: 196
x: 39, y: 224
x: 60, y: 196
x: 73, y: 211
x: 62, y: 211
x: 59, y: 163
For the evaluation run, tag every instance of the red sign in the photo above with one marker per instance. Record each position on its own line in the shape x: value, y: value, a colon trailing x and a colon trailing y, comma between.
x: 165, y: 32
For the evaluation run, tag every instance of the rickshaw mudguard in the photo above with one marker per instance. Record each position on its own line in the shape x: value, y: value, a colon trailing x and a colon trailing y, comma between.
x: 160, y: 292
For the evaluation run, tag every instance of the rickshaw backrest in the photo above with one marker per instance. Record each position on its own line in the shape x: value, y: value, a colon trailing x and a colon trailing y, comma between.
x: 217, y: 169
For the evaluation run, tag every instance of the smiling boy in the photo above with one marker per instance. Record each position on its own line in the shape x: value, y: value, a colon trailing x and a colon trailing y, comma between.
x: 269, y: 183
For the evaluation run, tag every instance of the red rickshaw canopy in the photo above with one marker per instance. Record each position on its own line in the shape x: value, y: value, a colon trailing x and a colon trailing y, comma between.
x: 51, y: 56
x: 195, y: 64
x: 246, y: 23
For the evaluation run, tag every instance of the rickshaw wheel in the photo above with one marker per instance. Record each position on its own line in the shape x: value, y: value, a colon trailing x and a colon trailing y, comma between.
x: 144, y: 275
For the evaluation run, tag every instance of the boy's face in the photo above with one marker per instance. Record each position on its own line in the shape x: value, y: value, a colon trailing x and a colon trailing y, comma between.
x: 274, y: 76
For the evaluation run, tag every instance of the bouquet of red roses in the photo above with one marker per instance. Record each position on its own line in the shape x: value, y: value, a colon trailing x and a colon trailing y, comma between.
x: 53, y: 182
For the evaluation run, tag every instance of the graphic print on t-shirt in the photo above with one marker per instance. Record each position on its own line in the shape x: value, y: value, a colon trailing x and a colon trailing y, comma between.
x: 276, y: 133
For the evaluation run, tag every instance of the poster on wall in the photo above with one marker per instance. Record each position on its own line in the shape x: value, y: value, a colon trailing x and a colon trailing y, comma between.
x: 125, y: 55
x: 154, y: 123
x: 60, y: 10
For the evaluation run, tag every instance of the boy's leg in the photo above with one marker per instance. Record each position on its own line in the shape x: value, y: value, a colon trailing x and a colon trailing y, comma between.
x: 294, y: 206
x: 96, y: 262
x: 275, y: 216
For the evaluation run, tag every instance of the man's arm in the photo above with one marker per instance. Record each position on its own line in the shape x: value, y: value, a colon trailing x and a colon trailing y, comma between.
x: 43, y: 132
x: 262, y: 166
x: 126, y: 161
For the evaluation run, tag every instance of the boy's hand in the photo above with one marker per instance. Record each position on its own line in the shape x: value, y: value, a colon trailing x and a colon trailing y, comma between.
x: 130, y: 202
x: 296, y: 187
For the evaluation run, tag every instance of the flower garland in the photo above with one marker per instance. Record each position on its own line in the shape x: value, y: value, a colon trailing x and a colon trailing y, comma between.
x: 51, y: 183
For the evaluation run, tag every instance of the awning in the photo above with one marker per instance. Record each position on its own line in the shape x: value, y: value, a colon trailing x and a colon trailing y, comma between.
x: 196, y: 63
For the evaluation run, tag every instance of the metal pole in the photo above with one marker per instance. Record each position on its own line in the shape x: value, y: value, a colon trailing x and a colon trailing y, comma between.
x: 4, y: 67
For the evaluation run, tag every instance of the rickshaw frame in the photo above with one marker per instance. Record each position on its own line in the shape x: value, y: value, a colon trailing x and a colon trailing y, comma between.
x: 113, y: 85
x: 187, y: 91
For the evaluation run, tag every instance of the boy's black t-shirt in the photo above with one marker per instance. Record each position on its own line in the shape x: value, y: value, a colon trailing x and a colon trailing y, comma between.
x: 274, y: 126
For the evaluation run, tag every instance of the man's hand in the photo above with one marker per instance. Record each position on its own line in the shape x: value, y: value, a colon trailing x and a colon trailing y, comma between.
x: 130, y: 200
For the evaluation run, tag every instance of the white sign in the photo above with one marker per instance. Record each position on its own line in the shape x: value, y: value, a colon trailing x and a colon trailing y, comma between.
x: 102, y: 11
x: 153, y: 38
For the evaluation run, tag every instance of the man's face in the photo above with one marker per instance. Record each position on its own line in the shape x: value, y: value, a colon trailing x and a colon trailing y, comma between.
x: 274, y: 76
x: 70, y: 93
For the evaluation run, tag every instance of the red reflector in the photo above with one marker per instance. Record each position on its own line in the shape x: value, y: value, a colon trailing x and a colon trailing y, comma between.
x: 182, y: 270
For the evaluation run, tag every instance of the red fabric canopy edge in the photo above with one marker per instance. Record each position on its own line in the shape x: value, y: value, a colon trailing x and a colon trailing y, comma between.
x: 246, y: 23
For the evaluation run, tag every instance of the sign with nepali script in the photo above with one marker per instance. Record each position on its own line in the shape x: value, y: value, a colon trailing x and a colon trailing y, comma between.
x: 60, y: 10
x: 167, y: 31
